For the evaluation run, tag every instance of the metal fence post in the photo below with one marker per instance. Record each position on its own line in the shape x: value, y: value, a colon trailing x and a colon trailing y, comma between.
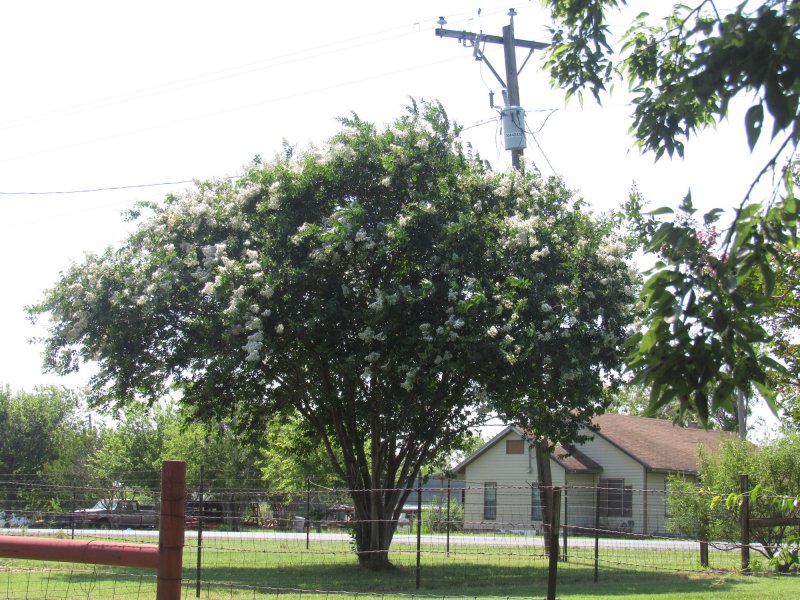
x: 200, y: 535
x: 564, y: 543
x: 419, y: 528
x: 448, y: 517
x: 72, y: 516
x: 596, y: 531
x: 307, y: 523
x: 555, y: 521
x: 744, y: 521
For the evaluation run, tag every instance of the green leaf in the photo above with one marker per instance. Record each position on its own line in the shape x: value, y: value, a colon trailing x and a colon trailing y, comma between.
x: 664, y: 210
x: 753, y: 121
x: 687, y: 206
x: 769, y: 395
x: 712, y: 216
x: 754, y: 494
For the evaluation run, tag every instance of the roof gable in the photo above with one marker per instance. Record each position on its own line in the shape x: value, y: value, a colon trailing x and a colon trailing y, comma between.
x: 573, y: 461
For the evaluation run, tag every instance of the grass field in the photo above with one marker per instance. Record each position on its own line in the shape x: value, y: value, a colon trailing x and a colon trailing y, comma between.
x: 286, y: 570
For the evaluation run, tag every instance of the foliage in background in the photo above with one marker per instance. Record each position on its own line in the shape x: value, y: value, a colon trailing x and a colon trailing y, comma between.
x: 291, y: 456
x: 713, y: 513
x: 132, y: 451
x: 44, y: 438
x: 435, y: 518
x: 704, y: 336
x: 29, y: 424
x: 782, y: 321
x: 389, y: 288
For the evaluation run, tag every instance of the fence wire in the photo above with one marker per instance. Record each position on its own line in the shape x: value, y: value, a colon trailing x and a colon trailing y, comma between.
x: 451, y: 539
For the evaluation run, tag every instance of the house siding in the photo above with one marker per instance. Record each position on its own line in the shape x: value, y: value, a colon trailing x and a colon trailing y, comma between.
x: 579, y: 501
x: 619, y: 465
x: 513, y: 474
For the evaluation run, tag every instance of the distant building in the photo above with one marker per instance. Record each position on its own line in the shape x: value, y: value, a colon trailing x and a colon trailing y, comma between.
x: 618, y: 477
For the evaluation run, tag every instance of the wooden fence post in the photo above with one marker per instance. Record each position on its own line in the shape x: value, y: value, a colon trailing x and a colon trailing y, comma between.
x: 744, y: 521
x: 171, y: 530
x: 555, y: 521
x: 704, y: 542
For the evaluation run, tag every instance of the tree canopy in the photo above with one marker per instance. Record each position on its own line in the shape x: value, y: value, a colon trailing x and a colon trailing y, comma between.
x: 33, y: 427
x: 389, y: 287
x: 704, y: 335
x: 44, y: 438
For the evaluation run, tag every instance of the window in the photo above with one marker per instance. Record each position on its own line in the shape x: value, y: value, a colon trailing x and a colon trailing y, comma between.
x: 615, y: 498
x: 515, y: 447
x: 536, y: 502
x: 489, y: 501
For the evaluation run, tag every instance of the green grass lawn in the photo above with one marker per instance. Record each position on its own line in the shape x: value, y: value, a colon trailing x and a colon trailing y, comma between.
x: 234, y: 568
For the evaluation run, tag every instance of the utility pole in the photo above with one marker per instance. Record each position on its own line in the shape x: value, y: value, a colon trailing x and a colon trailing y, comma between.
x: 513, y: 114
x: 741, y: 414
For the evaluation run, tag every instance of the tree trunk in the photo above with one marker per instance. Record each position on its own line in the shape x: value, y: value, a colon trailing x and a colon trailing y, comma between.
x: 545, y: 490
x: 373, y: 537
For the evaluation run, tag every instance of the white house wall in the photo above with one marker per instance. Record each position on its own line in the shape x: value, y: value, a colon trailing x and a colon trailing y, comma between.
x: 617, y: 464
x: 513, y: 474
x: 657, y: 501
x: 579, y: 502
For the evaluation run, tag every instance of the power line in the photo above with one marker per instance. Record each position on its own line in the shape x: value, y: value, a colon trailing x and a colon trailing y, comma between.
x: 112, y: 188
x: 99, y: 189
x: 234, y: 109
x: 378, y: 37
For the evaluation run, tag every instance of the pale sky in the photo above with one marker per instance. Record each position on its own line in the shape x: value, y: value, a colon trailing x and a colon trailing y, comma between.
x: 107, y: 94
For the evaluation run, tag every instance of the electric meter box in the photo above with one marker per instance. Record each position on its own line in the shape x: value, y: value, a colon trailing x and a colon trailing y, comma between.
x: 514, y: 127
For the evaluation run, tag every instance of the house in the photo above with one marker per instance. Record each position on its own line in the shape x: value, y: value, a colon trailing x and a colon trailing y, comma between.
x: 617, y: 479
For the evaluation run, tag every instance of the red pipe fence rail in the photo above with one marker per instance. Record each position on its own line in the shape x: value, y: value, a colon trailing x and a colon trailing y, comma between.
x: 166, y: 557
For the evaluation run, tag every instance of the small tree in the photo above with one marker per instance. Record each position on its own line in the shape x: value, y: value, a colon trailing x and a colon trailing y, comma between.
x: 390, y: 289
x: 43, y: 439
x: 709, y: 509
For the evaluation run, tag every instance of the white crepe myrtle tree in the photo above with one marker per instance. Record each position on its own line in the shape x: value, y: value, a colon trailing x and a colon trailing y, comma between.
x: 389, y: 287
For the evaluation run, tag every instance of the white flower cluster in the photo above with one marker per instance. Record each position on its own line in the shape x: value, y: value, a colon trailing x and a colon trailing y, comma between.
x: 369, y: 335
x: 255, y: 341
x: 425, y: 330
x: 411, y: 376
x: 543, y: 252
x: 611, y: 250
x: 440, y: 358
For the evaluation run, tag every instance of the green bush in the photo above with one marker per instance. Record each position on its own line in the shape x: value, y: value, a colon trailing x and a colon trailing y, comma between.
x: 434, y: 516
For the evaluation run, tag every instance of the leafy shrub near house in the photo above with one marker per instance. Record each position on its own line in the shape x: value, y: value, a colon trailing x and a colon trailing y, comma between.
x: 434, y: 516
x: 710, y: 509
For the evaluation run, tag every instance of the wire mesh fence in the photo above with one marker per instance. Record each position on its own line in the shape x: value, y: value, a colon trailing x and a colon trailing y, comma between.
x: 449, y: 538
